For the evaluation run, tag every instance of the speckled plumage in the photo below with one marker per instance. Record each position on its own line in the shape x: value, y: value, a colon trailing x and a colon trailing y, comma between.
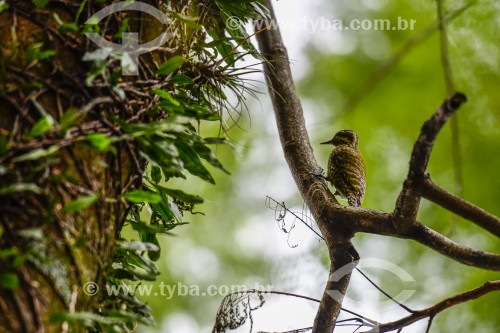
x: 346, y: 168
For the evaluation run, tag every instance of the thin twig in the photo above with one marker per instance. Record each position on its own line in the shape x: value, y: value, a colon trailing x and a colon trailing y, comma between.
x: 385, y: 293
x: 432, y: 311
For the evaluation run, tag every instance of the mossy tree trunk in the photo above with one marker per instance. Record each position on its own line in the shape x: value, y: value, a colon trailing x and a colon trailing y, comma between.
x: 61, y: 209
x: 66, y: 248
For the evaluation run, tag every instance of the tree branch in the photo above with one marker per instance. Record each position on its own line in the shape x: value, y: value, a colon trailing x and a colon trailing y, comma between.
x: 432, y: 311
x: 452, y: 250
x: 381, y: 223
x: 408, y: 201
x: 431, y: 191
x: 303, y: 166
x: 337, y: 223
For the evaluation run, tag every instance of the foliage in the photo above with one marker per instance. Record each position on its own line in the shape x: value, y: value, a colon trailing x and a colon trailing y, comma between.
x: 154, y: 121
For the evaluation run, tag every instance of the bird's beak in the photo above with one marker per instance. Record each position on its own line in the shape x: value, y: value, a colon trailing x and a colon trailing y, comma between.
x: 329, y: 142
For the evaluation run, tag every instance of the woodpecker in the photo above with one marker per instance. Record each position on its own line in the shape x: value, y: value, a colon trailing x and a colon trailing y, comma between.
x: 346, y: 168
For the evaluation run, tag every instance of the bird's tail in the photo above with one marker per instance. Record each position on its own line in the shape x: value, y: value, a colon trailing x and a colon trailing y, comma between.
x: 353, y: 201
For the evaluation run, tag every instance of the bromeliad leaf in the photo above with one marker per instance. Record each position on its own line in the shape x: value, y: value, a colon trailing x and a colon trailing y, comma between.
x: 189, y: 20
x: 98, y: 141
x: 80, y: 203
x: 42, y: 126
x: 20, y: 187
x: 170, y: 65
x: 70, y: 118
x: 36, y: 154
x: 139, y: 196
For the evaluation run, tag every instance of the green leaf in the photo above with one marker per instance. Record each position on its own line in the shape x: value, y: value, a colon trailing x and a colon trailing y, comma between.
x: 224, y: 47
x: 192, y: 163
x: 184, y: 197
x: 42, y: 126
x: 8, y: 253
x: 141, y: 274
x: 3, y: 6
x: 68, y: 27
x: 123, y: 274
x: 155, y: 174
x: 9, y: 281
x: 98, y: 141
x: 34, y: 54
x: 188, y: 20
x: 20, y: 187
x: 182, y: 80
x: 124, y: 27
x: 165, y: 95
x: 81, y: 203
x: 69, y: 118
x: 138, y: 246
x: 208, y: 155
x: 34, y: 233
x: 40, y: 3
x: 143, y: 262
x: 36, y: 154
x: 139, y: 317
x: 202, y: 112
x: 155, y: 255
x: 4, y: 144
x: 142, y: 227
x: 139, y: 196
x: 88, y: 318
x: 165, y: 212
x: 170, y: 65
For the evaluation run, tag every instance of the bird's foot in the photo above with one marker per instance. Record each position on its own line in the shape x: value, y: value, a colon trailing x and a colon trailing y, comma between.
x: 319, y: 175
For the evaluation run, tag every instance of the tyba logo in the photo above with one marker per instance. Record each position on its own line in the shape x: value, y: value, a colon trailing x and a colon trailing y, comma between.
x: 130, y: 49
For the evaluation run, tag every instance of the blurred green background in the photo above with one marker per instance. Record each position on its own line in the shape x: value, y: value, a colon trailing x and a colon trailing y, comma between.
x: 238, y: 242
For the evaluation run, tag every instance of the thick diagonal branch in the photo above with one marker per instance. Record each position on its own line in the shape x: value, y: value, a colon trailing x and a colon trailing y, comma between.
x: 303, y: 166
